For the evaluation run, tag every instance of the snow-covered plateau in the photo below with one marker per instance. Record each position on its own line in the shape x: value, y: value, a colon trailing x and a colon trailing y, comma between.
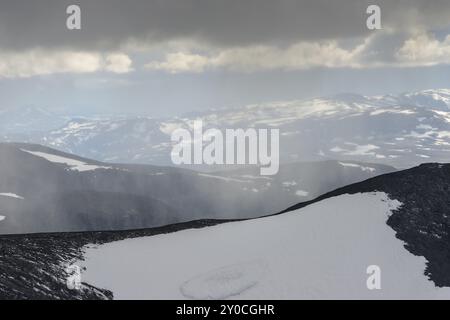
x: 321, y: 251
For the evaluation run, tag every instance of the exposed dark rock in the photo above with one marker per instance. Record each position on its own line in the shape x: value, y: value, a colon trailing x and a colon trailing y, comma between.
x: 32, y: 266
x: 423, y: 221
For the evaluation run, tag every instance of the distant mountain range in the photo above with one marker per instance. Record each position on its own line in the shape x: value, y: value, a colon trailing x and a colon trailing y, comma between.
x: 399, y: 130
x: 44, y: 190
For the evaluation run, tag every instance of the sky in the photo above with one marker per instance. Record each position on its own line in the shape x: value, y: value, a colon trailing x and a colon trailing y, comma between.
x: 169, y: 57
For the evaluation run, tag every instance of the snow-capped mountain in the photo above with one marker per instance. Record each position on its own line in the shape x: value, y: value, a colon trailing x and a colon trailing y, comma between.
x: 44, y: 190
x: 127, y: 140
x: 400, y: 130
x: 397, y: 222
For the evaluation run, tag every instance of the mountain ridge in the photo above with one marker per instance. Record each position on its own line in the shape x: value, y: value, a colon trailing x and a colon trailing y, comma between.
x: 44, y: 190
x: 400, y: 130
x: 418, y: 212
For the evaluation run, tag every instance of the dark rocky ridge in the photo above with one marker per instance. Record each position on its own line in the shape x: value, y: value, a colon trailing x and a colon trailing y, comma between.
x: 31, y: 265
x: 423, y: 221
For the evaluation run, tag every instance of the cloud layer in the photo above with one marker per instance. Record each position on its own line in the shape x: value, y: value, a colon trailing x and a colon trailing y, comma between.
x: 253, y: 58
x: 201, y: 35
x: 111, y: 24
x: 382, y: 49
x: 425, y: 49
x: 41, y: 62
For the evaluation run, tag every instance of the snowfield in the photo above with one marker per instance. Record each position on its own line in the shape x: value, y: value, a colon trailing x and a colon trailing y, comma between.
x: 354, y: 165
x: 302, y: 193
x: 73, y: 164
x: 11, y: 195
x: 321, y: 251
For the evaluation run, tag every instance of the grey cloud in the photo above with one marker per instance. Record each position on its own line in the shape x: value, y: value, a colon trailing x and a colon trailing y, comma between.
x: 381, y: 48
x: 106, y: 24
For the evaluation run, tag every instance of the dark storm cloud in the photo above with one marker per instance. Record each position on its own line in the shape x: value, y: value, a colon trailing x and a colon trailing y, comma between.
x: 108, y: 23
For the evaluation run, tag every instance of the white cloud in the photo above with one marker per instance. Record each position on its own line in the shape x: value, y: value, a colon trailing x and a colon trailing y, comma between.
x: 118, y: 63
x: 42, y: 62
x: 419, y: 49
x: 423, y: 49
x: 299, y: 56
x: 303, y: 55
x: 181, y: 62
x: 400, y: 50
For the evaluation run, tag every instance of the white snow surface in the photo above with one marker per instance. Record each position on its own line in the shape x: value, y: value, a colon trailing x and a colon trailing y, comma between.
x: 11, y: 195
x: 354, y: 165
x: 73, y: 164
x: 320, y: 251
x: 222, y: 178
x: 302, y: 193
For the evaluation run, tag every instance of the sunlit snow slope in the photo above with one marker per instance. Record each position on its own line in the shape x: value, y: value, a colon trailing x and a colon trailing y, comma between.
x: 320, y: 251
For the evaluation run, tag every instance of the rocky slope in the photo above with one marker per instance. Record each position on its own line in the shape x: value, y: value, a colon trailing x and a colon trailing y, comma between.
x: 421, y: 222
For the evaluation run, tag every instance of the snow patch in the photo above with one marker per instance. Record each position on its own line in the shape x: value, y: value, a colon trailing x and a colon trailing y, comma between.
x: 381, y: 111
x: 168, y: 127
x: 354, y: 165
x: 11, y: 195
x: 73, y: 164
x: 222, y: 178
x: 289, y: 183
x: 248, y: 176
x: 301, y: 193
x: 320, y: 251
